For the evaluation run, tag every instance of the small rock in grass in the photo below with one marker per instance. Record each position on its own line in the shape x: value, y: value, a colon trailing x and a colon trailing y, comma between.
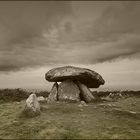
x: 80, y: 105
x: 107, y: 99
x: 83, y: 103
x: 41, y: 99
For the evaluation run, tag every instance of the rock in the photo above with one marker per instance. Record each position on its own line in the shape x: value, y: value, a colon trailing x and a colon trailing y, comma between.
x: 68, y: 91
x: 115, y: 95
x: 86, y: 76
x: 83, y: 103
x: 53, y: 96
x: 107, y: 98
x: 86, y: 94
x: 41, y: 99
x: 110, y: 95
x: 80, y: 105
x: 32, y: 107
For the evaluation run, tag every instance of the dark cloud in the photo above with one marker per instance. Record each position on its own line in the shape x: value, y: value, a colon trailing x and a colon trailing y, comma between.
x: 22, y: 26
x: 46, y: 33
x: 118, y: 19
x: 22, y: 21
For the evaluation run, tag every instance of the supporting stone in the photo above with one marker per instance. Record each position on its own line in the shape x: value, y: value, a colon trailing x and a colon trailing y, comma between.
x: 68, y: 91
x: 86, y: 94
x: 53, y: 96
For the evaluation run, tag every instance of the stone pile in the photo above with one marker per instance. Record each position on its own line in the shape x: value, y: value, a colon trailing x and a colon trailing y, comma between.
x: 75, y: 84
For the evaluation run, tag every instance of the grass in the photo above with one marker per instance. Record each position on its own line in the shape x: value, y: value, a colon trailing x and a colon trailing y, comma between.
x: 68, y: 121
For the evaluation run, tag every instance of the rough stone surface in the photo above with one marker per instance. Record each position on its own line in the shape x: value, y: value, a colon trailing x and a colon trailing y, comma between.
x: 86, y: 94
x: 41, y: 99
x: 80, y: 105
x: 53, y: 94
x: 115, y: 95
x: 83, y: 103
x: 68, y: 91
x: 86, y: 76
x: 32, y: 107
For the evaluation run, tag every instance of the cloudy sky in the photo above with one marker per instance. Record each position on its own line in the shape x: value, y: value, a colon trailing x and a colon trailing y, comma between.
x: 37, y: 36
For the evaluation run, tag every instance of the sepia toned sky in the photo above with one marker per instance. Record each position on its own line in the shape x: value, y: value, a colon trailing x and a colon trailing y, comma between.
x: 101, y: 35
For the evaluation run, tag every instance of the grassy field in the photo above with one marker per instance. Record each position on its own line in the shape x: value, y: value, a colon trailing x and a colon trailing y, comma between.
x: 69, y: 121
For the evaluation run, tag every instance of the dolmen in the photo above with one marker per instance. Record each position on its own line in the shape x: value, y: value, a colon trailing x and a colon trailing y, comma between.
x: 75, y: 84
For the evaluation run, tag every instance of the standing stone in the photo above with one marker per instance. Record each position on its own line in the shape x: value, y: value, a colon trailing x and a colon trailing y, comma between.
x: 86, y: 94
x: 68, y: 91
x: 32, y: 107
x: 53, y: 94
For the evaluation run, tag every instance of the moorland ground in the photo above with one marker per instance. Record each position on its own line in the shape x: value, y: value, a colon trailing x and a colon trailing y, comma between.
x: 108, y: 120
